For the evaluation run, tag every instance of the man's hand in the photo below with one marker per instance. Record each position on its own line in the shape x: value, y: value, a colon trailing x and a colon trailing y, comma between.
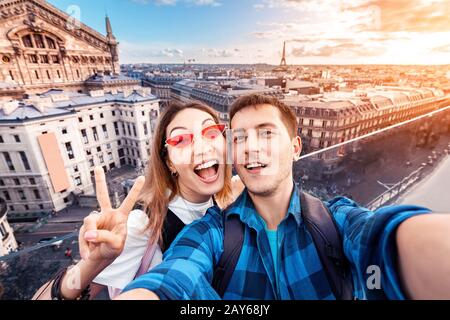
x: 424, y: 256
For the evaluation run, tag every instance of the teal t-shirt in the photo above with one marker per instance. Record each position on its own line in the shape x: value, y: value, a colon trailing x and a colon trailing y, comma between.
x: 272, y: 235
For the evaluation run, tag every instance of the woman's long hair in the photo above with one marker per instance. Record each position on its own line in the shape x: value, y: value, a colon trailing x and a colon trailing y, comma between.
x: 161, y: 186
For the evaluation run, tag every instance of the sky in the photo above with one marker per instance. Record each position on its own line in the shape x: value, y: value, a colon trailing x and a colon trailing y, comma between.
x: 253, y: 31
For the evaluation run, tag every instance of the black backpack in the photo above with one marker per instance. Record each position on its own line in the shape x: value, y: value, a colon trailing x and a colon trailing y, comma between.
x: 326, y: 237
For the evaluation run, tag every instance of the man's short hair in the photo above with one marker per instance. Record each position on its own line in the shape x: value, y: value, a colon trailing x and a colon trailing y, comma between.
x: 287, y: 115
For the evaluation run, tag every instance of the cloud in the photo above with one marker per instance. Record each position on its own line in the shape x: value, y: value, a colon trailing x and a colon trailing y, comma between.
x: 341, y: 49
x: 441, y: 49
x: 219, y: 53
x: 407, y: 15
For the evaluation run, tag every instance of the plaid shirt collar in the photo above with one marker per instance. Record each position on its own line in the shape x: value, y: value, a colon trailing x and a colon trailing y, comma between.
x: 244, y: 207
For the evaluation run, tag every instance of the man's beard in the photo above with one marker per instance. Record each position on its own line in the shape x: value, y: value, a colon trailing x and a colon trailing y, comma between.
x: 271, y: 189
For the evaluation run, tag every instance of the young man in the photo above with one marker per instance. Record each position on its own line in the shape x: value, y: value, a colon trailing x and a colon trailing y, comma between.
x: 278, y: 260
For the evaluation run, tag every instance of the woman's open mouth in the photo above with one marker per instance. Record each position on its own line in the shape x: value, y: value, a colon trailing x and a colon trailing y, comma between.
x: 208, y: 171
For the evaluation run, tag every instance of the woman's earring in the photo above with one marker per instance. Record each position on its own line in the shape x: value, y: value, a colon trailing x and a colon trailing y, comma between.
x: 174, y: 174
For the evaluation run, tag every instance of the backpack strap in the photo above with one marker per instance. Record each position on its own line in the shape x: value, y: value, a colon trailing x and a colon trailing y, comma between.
x: 233, y: 239
x: 327, y: 239
x: 171, y: 228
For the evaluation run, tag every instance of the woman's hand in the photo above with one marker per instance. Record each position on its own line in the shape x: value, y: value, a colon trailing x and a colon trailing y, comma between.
x: 102, y: 236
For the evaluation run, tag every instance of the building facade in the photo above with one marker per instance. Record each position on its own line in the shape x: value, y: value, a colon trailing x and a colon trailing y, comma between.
x: 50, y: 144
x: 64, y: 109
x: 219, y: 96
x: 342, y: 116
x: 42, y: 47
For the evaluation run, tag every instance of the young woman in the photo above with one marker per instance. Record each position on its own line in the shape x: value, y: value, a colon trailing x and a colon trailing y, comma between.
x: 187, y: 174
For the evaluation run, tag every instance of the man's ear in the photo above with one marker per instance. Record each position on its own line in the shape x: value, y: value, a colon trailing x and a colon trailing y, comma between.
x: 297, y: 147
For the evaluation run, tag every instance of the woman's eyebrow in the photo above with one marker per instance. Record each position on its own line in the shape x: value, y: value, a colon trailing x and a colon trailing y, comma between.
x: 183, y: 128
x: 177, y: 128
x: 206, y: 120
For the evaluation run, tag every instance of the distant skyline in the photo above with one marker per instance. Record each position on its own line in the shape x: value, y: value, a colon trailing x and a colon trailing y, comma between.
x: 253, y: 31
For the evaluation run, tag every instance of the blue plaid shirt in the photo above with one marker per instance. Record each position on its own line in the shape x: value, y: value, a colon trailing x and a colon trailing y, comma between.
x: 369, y: 239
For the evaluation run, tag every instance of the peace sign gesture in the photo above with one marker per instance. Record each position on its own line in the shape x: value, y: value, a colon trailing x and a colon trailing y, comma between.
x: 103, y: 234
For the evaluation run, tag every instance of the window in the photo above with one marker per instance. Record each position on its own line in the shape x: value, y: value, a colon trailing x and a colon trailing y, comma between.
x: 94, y: 132
x: 101, y: 115
x: 16, y: 138
x: 108, y: 146
x: 50, y: 43
x: 17, y: 182
x: 132, y: 114
x: 123, y: 128
x: 100, y: 157
x: 6, y: 195
x: 311, y: 123
x: 91, y: 162
x: 64, y: 131
x: 91, y: 117
x: 80, y: 119
x: 44, y: 59
x: 99, y: 149
x: 105, y: 131
x: 75, y: 169
x: 2, y: 183
x: 41, y: 207
x: 58, y: 73
x: 88, y: 152
x: 143, y: 113
x: 25, y: 162
x: 78, y: 181
x: 70, y: 153
x: 48, y: 75
x: 21, y: 195
x: 39, y: 41
x: 37, y: 74
x: 1, y: 139
x: 37, y: 194
x: 119, y: 142
x: 309, y: 133
x: 11, y: 208
x: 27, y: 41
x: 32, y: 181
x: 145, y: 128
x: 121, y: 153
x: 33, y: 58
x: 84, y: 135
x: 26, y: 207
x: 110, y: 156
x: 113, y: 113
x: 9, y: 161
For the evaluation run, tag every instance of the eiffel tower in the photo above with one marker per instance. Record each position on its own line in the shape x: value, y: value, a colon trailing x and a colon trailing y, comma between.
x: 283, y: 58
x: 283, y: 65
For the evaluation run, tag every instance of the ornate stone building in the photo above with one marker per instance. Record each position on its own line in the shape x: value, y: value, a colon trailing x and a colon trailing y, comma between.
x: 42, y: 48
